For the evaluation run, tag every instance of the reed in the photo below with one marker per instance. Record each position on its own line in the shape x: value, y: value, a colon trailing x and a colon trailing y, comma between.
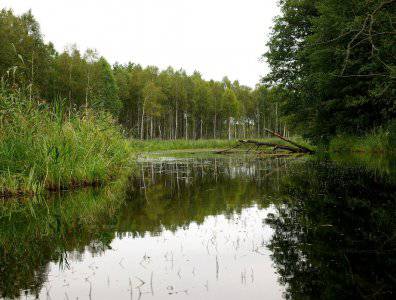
x: 381, y: 140
x: 47, y: 146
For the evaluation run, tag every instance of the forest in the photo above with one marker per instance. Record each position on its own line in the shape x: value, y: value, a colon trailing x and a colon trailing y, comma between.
x: 148, y: 102
x: 332, y: 72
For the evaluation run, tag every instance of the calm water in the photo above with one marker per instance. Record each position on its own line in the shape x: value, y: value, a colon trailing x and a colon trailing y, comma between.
x: 210, y: 228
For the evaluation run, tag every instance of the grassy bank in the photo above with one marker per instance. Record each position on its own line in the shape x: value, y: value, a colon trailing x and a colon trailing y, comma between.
x: 378, y: 141
x: 48, y: 147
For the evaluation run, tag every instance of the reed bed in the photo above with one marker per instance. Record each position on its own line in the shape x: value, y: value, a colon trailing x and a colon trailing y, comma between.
x: 49, y: 147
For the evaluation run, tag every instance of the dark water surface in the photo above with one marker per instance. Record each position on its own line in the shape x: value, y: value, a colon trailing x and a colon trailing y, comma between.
x: 210, y: 228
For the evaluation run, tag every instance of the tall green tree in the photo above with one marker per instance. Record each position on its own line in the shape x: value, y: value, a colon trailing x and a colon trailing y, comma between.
x: 230, y: 108
x: 335, y: 62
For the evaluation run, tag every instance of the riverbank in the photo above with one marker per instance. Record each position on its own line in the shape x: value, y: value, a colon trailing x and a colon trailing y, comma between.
x: 49, y: 147
x: 379, y: 141
x: 45, y: 147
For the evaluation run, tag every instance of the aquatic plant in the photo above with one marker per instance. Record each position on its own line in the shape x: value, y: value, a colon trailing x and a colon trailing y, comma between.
x: 50, y: 146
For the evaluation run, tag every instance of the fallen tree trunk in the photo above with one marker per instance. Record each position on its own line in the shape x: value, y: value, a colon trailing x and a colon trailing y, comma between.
x: 226, y: 150
x: 276, y: 146
x: 302, y: 148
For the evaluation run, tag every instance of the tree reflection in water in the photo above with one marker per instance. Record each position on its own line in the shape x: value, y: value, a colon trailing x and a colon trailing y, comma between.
x: 335, y: 232
x: 334, y: 223
x: 162, y: 195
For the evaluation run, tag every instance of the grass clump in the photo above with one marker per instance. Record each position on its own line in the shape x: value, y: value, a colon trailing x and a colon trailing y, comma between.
x: 159, y: 145
x: 378, y: 141
x: 47, y: 147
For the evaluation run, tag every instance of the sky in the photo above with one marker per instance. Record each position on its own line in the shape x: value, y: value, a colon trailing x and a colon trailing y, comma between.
x: 216, y: 37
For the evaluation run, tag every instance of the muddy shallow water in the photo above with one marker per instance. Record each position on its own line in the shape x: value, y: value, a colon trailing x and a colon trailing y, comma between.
x: 209, y: 228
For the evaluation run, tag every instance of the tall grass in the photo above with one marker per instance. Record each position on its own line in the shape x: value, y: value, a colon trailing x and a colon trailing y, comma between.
x: 382, y: 140
x: 47, y: 147
x: 156, y: 145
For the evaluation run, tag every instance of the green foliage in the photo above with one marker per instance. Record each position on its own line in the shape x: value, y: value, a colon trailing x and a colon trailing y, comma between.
x: 334, y: 61
x: 181, y: 105
x: 381, y: 140
x: 153, y: 98
x: 155, y: 145
x: 42, y: 146
x: 229, y: 104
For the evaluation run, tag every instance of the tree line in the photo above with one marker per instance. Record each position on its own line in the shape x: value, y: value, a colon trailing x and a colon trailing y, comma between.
x: 149, y: 103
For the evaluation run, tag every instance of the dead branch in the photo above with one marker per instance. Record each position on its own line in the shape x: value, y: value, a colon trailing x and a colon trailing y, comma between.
x: 266, y: 144
x: 300, y: 147
x: 367, y: 26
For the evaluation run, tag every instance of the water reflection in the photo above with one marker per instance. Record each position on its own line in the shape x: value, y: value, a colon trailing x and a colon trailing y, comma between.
x: 335, y: 231
x: 162, y: 199
x: 210, y: 228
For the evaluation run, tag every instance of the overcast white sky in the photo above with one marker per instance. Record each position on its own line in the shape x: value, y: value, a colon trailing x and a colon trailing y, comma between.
x: 215, y: 37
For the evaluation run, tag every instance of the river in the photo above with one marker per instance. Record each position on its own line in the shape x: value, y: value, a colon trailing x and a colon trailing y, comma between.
x: 207, y: 227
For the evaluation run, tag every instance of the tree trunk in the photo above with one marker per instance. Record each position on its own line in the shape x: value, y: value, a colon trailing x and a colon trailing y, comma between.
x: 147, y: 129
x: 186, y: 127
x: 142, y: 125
x: 214, y: 125
x: 302, y: 148
x: 194, y: 129
x: 176, y: 121
x: 170, y: 126
x: 258, y: 124
x: 201, y: 128
x: 229, y: 128
x: 151, y: 127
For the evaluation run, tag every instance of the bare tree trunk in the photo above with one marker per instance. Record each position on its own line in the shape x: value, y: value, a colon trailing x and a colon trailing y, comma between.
x: 142, y: 125
x: 170, y: 126
x: 70, y: 76
x: 214, y: 125
x: 276, y: 118
x: 176, y: 121
x: 147, y: 129
x: 301, y: 147
x: 229, y: 128
x: 87, y: 90
x: 151, y: 127
x: 32, y: 78
x: 186, y: 127
x: 201, y: 128
x: 159, y: 131
x: 194, y: 129
x: 263, y: 121
x: 258, y: 123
